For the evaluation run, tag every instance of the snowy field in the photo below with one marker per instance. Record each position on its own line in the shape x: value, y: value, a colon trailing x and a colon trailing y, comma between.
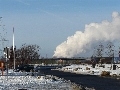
x: 32, y: 83
x: 88, y: 69
x: 24, y: 80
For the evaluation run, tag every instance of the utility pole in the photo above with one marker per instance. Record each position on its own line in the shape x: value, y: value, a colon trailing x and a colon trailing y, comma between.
x: 13, y: 49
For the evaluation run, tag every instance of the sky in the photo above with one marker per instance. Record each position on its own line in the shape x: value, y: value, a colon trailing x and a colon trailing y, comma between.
x: 48, y: 23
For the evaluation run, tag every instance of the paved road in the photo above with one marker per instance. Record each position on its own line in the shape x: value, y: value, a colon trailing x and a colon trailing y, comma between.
x: 99, y: 83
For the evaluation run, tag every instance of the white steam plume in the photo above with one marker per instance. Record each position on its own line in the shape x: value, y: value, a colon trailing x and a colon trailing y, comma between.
x: 82, y: 42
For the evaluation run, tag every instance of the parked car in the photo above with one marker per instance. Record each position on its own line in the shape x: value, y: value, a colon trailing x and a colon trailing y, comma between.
x: 26, y: 68
x: 40, y: 68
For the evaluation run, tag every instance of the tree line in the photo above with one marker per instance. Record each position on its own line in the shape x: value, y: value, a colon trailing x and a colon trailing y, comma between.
x: 108, y: 50
x: 23, y: 55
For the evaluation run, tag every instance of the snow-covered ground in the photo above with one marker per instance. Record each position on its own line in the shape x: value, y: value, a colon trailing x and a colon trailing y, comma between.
x: 88, y: 69
x: 31, y: 83
x: 24, y: 80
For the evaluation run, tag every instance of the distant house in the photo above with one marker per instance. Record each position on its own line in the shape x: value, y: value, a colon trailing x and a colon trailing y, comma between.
x: 105, y: 60
x: 99, y: 60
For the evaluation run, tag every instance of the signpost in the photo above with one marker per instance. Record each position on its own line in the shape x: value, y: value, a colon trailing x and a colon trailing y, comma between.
x: 7, y: 56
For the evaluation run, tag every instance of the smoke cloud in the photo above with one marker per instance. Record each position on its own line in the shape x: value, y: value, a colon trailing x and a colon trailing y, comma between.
x: 83, y: 42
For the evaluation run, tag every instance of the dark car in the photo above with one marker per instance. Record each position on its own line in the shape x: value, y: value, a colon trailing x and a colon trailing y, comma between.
x: 26, y: 68
x: 41, y: 68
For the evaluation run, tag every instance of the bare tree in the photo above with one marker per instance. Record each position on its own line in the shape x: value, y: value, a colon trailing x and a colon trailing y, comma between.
x: 98, y: 51
x: 25, y: 54
x: 110, y: 51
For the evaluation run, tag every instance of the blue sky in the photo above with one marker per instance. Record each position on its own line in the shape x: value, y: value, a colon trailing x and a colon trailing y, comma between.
x: 48, y: 23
